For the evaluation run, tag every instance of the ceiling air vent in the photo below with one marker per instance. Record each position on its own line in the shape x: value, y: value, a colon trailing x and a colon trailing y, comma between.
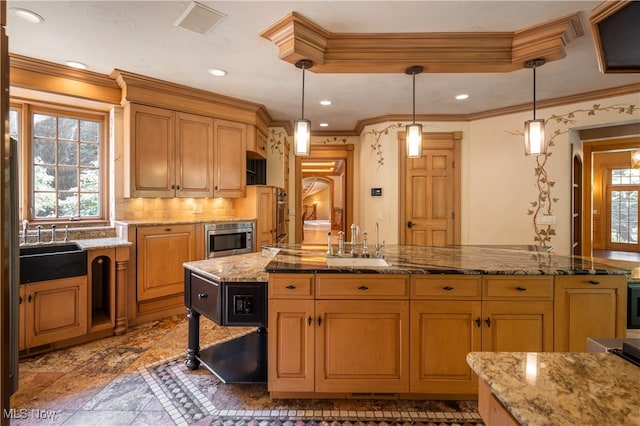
x: 199, y: 18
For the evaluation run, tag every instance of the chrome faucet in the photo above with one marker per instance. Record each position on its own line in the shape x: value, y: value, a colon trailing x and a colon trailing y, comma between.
x: 365, y: 245
x: 355, y: 231
x: 38, y: 229
x: 378, y: 245
x: 66, y: 233
x: 329, y: 251
x: 53, y: 233
x: 340, y: 243
x: 25, y: 224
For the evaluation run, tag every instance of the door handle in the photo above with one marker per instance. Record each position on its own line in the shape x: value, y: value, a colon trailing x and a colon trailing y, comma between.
x: 409, y: 224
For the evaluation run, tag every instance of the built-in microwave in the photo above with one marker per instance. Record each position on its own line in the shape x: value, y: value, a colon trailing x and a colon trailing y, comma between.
x: 228, y: 238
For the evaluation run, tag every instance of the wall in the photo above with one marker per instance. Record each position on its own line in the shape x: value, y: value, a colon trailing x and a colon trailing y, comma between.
x: 498, y: 180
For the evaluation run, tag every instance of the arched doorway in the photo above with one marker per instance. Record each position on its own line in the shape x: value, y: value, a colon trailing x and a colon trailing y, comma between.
x: 329, y: 167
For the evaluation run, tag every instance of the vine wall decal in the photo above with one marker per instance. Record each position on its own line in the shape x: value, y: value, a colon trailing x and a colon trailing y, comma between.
x: 276, y: 142
x: 543, y: 205
x: 376, y: 146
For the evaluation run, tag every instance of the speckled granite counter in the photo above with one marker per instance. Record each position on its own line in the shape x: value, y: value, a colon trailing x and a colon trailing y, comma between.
x: 562, y: 388
x: 242, y: 267
x: 101, y: 243
x: 452, y: 260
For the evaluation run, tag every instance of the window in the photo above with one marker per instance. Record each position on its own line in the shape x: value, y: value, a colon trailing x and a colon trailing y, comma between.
x: 63, y: 155
x: 623, y: 208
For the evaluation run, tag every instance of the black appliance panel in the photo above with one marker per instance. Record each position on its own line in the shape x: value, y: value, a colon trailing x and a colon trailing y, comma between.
x: 245, y: 303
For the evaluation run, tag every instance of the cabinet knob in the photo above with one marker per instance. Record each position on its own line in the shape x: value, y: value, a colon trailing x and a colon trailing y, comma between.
x: 29, y: 298
x: 594, y: 282
x: 488, y: 321
x: 447, y: 288
x: 363, y: 288
x: 202, y: 296
x: 478, y: 322
x: 173, y: 187
x: 521, y: 289
x: 290, y: 287
x: 309, y: 320
x: 20, y: 300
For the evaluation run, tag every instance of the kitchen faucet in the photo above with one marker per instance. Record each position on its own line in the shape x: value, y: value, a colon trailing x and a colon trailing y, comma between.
x: 378, y: 245
x: 53, y: 234
x: 340, y: 243
x: 25, y: 224
x: 38, y: 229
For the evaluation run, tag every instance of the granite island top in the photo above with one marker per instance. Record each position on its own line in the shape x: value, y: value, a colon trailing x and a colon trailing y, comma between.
x: 563, y: 388
x: 408, y: 259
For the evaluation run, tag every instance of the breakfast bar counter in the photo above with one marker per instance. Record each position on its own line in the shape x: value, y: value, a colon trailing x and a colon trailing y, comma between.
x: 558, y: 388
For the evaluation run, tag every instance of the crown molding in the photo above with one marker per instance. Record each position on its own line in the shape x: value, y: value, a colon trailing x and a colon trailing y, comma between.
x: 298, y: 38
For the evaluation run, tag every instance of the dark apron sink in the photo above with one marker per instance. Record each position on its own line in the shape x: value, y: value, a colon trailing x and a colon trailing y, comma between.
x: 50, y: 262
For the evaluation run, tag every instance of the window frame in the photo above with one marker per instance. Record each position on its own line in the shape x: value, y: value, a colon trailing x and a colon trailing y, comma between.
x: 26, y: 110
x: 618, y: 187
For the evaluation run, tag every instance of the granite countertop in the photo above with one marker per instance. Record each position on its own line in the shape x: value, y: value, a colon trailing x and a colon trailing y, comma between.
x: 101, y: 243
x: 563, y: 388
x: 241, y: 267
x: 507, y: 260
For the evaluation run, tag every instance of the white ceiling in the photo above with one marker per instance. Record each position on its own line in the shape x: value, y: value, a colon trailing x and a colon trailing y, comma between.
x: 140, y: 37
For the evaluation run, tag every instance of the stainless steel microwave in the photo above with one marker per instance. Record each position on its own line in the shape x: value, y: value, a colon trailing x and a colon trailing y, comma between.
x: 228, y: 238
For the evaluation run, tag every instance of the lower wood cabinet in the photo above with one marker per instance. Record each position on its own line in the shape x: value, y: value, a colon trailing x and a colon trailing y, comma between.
x: 588, y: 306
x: 55, y: 310
x: 517, y: 326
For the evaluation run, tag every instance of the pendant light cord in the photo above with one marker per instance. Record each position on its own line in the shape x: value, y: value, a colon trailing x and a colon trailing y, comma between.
x: 414, y: 98
x: 534, y: 91
x: 303, y: 67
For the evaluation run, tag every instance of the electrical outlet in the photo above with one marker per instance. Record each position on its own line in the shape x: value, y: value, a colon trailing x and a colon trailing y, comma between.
x: 546, y: 220
x: 197, y: 207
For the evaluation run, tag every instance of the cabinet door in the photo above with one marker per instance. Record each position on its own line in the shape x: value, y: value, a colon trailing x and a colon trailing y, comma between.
x: 517, y: 326
x: 291, y: 346
x: 362, y: 346
x: 588, y: 306
x: 161, y: 252
x: 194, y: 156
x: 266, y: 221
x: 230, y: 148
x: 55, y: 310
x: 152, y: 152
x: 442, y: 334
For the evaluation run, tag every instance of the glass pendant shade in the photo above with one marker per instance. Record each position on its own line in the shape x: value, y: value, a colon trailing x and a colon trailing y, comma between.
x: 302, y: 137
x: 414, y: 140
x: 534, y: 140
x: 635, y: 159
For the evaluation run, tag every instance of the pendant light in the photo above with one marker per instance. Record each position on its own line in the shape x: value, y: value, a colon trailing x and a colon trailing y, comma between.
x: 414, y: 130
x: 302, y: 127
x: 534, y: 140
x: 635, y: 159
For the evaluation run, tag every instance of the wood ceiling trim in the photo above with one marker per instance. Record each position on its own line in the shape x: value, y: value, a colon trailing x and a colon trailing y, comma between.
x: 298, y: 38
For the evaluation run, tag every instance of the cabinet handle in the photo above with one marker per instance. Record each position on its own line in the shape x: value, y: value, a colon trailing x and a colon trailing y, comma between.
x: 216, y: 187
x: 29, y: 299
x: 20, y: 300
x: 488, y: 321
x: 363, y: 288
x: 290, y: 287
x: 594, y: 282
x: 167, y: 229
x: 447, y: 288
x: 202, y: 296
x: 521, y: 289
x: 319, y: 321
x: 478, y: 322
x: 173, y: 187
x: 309, y: 320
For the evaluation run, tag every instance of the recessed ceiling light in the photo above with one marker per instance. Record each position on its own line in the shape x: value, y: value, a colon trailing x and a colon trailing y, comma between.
x: 325, y: 102
x: 218, y: 72
x: 76, y: 65
x: 462, y: 96
x: 27, y: 15
x: 324, y: 124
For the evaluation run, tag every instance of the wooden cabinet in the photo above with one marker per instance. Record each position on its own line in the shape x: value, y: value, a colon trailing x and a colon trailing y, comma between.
x: 230, y: 148
x: 161, y: 251
x: 256, y: 144
x: 259, y: 202
x: 55, y: 310
x: 588, y: 306
x: 445, y: 313
x: 491, y: 410
x: 170, y: 153
x: 517, y: 313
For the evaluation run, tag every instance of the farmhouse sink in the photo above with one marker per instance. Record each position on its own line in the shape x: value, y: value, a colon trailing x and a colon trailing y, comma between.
x: 357, y: 262
x: 52, y: 261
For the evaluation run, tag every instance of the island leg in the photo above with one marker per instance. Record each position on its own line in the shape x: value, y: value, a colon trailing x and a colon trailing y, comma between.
x: 193, y: 346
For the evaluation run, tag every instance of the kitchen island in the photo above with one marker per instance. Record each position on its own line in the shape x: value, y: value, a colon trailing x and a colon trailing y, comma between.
x: 403, y: 326
x: 556, y: 388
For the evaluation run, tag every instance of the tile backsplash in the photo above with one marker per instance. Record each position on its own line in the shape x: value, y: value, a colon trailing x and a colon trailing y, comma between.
x: 159, y: 209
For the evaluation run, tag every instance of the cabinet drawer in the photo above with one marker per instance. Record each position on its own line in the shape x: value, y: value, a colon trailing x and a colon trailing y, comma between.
x: 205, y: 297
x: 510, y: 287
x: 291, y: 286
x: 591, y: 281
x: 445, y: 287
x: 363, y: 286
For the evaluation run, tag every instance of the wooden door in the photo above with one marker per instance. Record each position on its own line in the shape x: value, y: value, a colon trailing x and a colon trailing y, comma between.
x: 362, y: 346
x: 230, y: 147
x: 432, y: 188
x: 194, y: 155
x: 291, y: 350
x: 161, y: 252
x: 517, y: 326
x: 266, y: 221
x: 588, y: 306
x: 152, y: 152
x: 442, y: 334
x: 55, y: 310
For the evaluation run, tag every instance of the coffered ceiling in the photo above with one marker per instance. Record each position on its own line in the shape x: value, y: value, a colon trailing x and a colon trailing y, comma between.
x: 142, y: 37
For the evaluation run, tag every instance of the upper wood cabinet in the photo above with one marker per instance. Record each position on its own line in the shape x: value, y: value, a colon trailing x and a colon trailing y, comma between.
x: 256, y: 143
x: 170, y: 153
x: 230, y: 158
